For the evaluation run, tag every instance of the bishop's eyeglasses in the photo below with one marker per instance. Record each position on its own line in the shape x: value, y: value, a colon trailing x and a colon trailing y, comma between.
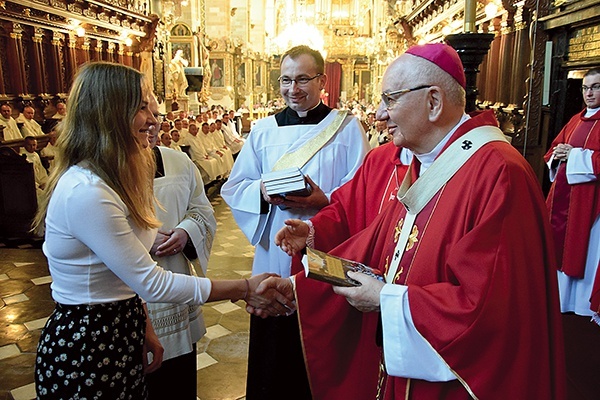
x: 389, y: 101
x: 302, y: 81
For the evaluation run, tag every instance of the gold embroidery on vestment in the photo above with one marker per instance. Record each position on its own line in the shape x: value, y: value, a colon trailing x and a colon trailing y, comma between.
x: 413, y: 238
x: 398, y: 229
x: 387, y: 265
x: 398, y: 273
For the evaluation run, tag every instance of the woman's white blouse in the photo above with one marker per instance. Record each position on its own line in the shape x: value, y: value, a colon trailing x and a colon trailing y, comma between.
x: 97, y: 254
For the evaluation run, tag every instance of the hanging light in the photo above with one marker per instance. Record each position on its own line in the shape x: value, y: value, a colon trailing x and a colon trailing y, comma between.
x: 491, y: 9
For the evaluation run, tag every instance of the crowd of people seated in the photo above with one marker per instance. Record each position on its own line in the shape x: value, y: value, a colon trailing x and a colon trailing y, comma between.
x: 212, y: 139
x: 21, y: 132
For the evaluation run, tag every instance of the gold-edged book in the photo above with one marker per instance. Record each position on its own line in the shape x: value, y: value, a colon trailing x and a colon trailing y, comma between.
x: 334, y: 270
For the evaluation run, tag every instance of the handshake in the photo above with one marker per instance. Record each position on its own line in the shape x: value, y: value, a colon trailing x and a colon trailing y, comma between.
x: 268, y: 295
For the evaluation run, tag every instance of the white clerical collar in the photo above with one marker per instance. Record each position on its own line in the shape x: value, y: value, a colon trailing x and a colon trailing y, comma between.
x: 303, y: 114
x: 427, y: 159
x: 591, y: 111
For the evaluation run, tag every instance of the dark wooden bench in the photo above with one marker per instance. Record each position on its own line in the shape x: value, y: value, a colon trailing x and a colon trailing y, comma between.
x: 18, y: 201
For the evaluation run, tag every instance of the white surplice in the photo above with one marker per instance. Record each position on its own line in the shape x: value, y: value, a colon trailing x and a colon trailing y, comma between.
x: 184, y: 205
x: 331, y: 167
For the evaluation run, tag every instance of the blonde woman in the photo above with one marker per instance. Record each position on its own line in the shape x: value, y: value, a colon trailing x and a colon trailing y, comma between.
x: 100, y: 224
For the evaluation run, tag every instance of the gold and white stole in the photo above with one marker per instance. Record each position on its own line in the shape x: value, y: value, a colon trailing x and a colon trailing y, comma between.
x: 415, y: 196
x: 302, y: 155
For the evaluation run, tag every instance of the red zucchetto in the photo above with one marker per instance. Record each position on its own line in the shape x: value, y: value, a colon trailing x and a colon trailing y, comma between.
x: 444, y: 57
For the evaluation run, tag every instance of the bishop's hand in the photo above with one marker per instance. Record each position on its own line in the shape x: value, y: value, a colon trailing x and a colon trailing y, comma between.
x: 365, y: 297
x: 292, y: 237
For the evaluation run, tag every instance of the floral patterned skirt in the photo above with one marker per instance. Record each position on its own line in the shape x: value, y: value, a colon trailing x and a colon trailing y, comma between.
x: 92, y: 352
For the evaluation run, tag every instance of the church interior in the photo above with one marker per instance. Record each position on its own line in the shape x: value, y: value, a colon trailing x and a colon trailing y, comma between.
x: 524, y: 59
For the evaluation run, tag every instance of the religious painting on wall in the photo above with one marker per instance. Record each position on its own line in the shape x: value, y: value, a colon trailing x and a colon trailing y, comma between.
x: 258, y: 77
x: 241, y: 73
x: 240, y: 80
x: 186, y: 48
x: 273, y: 79
x: 217, y: 70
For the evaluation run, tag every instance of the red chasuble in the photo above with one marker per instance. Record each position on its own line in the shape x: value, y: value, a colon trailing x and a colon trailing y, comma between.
x: 375, y: 183
x: 353, y: 206
x: 482, y: 291
x: 356, y: 203
x: 574, y: 208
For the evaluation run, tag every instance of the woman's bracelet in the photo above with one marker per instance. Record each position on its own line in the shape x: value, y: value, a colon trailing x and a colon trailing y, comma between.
x: 247, y: 289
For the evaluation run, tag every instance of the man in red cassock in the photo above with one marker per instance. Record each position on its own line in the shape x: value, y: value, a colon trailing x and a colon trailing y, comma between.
x: 470, y: 308
x: 574, y: 205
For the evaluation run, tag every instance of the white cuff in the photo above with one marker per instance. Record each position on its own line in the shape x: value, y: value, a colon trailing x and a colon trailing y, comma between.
x: 407, y: 354
x: 579, y: 166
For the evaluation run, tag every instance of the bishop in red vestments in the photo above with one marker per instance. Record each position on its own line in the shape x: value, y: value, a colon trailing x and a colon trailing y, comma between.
x: 470, y: 309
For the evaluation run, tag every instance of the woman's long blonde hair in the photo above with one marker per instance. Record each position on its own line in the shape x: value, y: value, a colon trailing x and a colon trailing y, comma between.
x: 98, y: 132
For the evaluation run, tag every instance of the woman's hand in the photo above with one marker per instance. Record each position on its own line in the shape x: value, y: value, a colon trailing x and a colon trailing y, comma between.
x: 176, y: 240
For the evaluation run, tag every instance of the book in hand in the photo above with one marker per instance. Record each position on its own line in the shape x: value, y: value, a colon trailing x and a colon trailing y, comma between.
x: 286, y: 182
x: 334, y: 270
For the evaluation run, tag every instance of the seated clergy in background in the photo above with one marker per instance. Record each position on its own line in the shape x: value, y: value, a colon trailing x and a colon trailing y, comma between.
x: 39, y: 172
x: 165, y: 126
x: 165, y: 138
x: 213, y: 149
x: 183, y: 132
x: 61, y: 110
x: 50, y: 151
x: 219, y: 138
x: 11, y: 129
x: 210, y: 167
x: 235, y: 123
x: 176, y: 141
x: 470, y: 304
x: 232, y: 139
x: 30, y: 126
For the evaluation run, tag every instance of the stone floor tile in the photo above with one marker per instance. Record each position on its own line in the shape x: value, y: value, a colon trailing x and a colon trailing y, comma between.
x: 216, y: 331
x: 36, y: 324
x: 42, y: 280
x: 18, y: 298
x: 204, y: 360
x: 10, y: 351
x: 3, y: 277
x: 26, y: 392
x: 226, y: 307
